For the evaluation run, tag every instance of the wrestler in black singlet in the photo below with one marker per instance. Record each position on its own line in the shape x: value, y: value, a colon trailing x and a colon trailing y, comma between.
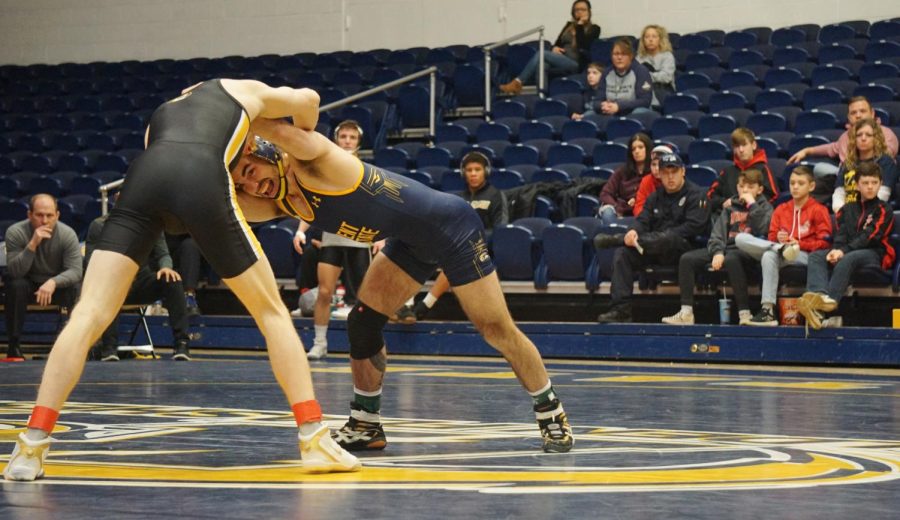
x: 182, y: 183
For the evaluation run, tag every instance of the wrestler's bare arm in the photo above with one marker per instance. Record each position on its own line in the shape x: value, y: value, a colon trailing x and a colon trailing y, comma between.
x: 298, y: 143
x: 261, y: 100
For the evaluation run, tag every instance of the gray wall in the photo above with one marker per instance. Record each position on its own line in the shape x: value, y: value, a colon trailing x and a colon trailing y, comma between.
x: 54, y: 31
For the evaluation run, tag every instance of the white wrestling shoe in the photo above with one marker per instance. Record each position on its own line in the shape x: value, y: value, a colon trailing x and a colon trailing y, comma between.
x: 317, y: 352
x: 27, y: 459
x: 321, y: 454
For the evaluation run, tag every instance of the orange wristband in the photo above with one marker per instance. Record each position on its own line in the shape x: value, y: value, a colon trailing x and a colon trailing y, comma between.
x: 307, y: 411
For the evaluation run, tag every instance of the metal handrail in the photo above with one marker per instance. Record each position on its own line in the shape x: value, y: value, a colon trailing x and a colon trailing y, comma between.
x: 430, y: 71
x: 391, y: 84
x: 487, y: 63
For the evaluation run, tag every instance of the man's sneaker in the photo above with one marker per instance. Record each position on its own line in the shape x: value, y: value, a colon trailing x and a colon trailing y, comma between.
x: 555, y: 430
x: 790, y: 251
x: 341, y: 313
x: 620, y: 313
x: 109, y: 353
x: 321, y: 454
x: 406, y: 315
x: 156, y: 309
x: 744, y: 317
x: 421, y: 310
x: 318, y: 351
x: 27, y: 459
x: 764, y: 318
x: 362, y: 431
x: 806, y: 309
x: 13, y: 354
x: 833, y: 322
x: 604, y: 241
x: 190, y: 301
x: 680, y: 318
x: 819, y: 301
x: 181, y: 352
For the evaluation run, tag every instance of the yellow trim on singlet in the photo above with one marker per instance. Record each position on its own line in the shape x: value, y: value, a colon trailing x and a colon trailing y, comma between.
x: 239, y: 214
x: 237, y: 138
x: 362, y: 171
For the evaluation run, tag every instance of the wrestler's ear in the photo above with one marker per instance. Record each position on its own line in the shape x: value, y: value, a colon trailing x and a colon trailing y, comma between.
x: 249, y: 145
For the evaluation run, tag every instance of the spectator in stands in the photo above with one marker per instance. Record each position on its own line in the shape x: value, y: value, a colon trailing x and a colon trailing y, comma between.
x: 187, y: 262
x: 673, y: 216
x: 488, y: 202
x: 337, y: 255
x: 749, y: 212
x: 655, y: 53
x: 43, y: 266
x: 594, y: 73
x: 861, y: 240
x: 866, y: 145
x: 569, y: 54
x: 746, y: 155
x: 857, y: 108
x: 617, y: 197
x: 650, y: 183
x: 155, y: 279
x: 798, y: 227
x: 626, y: 87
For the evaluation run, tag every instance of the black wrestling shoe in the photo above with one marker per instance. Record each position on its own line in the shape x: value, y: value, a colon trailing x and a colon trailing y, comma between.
x: 360, y: 434
x: 421, y: 310
x: 555, y: 430
x: 109, y: 353
x: 181, y: 351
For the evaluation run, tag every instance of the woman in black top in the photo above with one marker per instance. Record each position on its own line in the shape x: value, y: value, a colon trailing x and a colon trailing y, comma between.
x: 570, y: 53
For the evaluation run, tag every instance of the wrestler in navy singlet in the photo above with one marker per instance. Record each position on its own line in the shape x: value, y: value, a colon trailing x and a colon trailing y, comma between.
x: 182, y: 183
x: 426, y: 228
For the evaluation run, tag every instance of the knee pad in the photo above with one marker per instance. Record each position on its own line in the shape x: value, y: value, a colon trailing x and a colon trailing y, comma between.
x: 364, y: 328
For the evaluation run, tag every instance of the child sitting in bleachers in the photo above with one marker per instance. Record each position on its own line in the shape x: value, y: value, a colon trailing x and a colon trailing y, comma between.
x: 861, y: 240
x: 746, y: 155
x: 798, y: 227
x: 748, y: 212
x: 594, y: 73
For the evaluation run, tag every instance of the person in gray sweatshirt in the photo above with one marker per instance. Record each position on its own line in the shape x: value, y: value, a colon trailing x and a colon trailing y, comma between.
x: 655, y: 53
x: 43, y: 266
x: 749, y: 212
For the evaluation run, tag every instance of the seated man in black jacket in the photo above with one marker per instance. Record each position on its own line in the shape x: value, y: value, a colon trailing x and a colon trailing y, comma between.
x: 155, y: 280
x: 671, y: 219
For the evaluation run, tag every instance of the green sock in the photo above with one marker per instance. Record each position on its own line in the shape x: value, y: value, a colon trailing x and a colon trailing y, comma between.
x: 544, y: 395
x: 368, y: 401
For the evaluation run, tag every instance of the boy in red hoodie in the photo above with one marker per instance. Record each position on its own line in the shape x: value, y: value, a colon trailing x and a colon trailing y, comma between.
x: 746, y: 156
x: 650, y: 183
x: 861, y: 240
x: 798, y: 227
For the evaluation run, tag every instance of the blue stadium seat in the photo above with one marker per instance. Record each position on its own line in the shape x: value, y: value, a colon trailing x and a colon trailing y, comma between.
x: 390, y: 156
x: 9, y: 188
x: 802, y: 141
x: 872, y: 72
x: 876, y: 93
x: 884, y: 29
x: 692, y: 79
x: 764, y: 122
x: 745, y: 57
x: 835, y: 32
x: 508, y: 108
x: 609, y: 152
x: 450, y: 181
x: 787, y: 36
x: 564, y: 86
x: 774, y: 97
x: 517, y: 248
x: 702, y: 176
x: 680, y: 102
x: 565, y: 153
x: 789, y: 113
x: 578, y: 129
x: 550, y: 107
x: 543, y: 146
x: 569, y: 252
x: 277, y: 244
x: 829, y: 72
x: 535, y: 130
x: 769, y: 145
x: 586, y: 143
x: 451, y: 132
x: 809, y: 121
x: 598, y: 172
x: 622, y: 127
x: 433, y: 156
x: 45, y: 184
x: 504, y: 178
x: 788, y: 55
x: 556, y: 123
x: 782, y: 75
x: 586, y: 205
x: 701, y: 60
x: 736, y: 78
x: 549, y: 175
x: 707, y: 149
x: 86, y: 185
x: 836, y: 51
x: 468, y: 85
x: 669, y: 125
x: 520, y: 154
x: 740, y: 39
x: 694, y: 42
x: 715, y: 124
x: 819, y: 96
x: 492, y: 131
x: 725, y: 100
